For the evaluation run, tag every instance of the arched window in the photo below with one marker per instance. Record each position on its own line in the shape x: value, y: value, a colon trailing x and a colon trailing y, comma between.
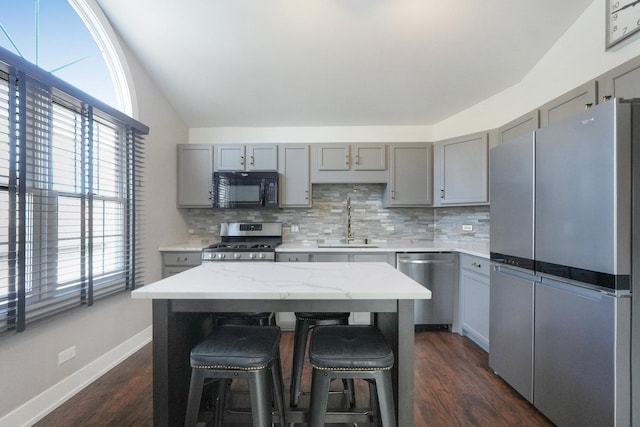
x: 72, y: 40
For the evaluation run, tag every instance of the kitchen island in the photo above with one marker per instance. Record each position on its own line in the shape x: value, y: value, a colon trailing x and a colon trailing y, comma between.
x: 183, y: 305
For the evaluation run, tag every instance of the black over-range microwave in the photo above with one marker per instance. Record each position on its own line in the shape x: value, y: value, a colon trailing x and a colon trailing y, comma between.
x: 256, y: 190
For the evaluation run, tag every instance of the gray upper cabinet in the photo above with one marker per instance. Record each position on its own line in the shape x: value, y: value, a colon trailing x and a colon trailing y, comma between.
x: 295, y: 176
x: 520, y: 126
x: 195, y: 170
x: 238, y: 157
x: 461, y: 169
x: 621, y: 82
x: 568, y: 104
x: 410, y: 175
x: 349, y: 163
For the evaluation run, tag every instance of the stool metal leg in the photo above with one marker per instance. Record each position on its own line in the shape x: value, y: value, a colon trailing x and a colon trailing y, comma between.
x: 320, y: 383
x: 299, y: 349
x: 260, y: 389
x: 278, y: 389
x: 385, y: 398
x: 195, y: 395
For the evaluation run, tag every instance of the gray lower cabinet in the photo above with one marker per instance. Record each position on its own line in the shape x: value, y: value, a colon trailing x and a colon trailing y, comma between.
x: 195, y: 172
x: 174, y: 262
x: 474, y: 299
x: 287, y: 320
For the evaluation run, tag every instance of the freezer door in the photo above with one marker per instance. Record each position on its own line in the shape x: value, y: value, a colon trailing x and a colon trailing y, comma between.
x: 511, y: 210
x: 582, y: 345
x: 582, y: 202
x: 511, y: 327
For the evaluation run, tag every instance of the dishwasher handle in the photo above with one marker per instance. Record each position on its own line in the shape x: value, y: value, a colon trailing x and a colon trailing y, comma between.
x: 423, y: 261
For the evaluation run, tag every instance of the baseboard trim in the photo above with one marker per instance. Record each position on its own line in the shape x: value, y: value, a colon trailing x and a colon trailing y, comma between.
x: 41, y: 405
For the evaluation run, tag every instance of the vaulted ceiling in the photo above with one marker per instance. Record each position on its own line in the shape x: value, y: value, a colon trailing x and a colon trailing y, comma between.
x: 336, y: 62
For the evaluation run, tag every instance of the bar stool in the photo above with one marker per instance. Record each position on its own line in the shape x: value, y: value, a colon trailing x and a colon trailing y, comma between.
x: 304, y: 322
x: 353, y: 351
x: 239, y: 352
x: 261, y: 318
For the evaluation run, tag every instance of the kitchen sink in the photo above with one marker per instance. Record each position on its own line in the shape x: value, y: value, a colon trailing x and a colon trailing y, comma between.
x: 346, y: 245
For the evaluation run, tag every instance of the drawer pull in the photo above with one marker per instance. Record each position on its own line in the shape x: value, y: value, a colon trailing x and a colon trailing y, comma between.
x: 475, y: 264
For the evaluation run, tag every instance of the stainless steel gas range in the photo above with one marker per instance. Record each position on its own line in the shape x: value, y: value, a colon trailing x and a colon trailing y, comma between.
x: 242, y: 241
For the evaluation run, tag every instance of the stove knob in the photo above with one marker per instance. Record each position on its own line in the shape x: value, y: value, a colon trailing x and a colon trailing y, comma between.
x: 221, y: 255
x: 252, y: 255
x: 237, y: 255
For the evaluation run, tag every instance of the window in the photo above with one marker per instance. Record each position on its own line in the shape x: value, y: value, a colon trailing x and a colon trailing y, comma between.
x: 70, y: 187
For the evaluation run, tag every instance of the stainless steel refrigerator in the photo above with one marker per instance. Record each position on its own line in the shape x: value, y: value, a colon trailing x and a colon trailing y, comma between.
x: 561, y: 281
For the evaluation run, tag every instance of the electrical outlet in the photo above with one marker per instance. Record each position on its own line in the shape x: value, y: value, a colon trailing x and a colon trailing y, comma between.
x: 467, y: 227
x: 66, y: 355
x: 295, y: 228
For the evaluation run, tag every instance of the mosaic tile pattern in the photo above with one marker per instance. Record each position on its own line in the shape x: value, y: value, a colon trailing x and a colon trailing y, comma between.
x: 326, y: 220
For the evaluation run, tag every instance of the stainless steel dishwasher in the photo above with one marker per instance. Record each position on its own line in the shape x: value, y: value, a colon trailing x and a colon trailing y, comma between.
x: 436, y: 271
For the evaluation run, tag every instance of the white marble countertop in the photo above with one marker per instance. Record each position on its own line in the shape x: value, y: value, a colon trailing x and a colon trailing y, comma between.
x: 476, y: 248
x: 286, y: 280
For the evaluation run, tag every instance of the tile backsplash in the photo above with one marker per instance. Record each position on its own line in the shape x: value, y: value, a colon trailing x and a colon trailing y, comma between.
x: 326, y: 220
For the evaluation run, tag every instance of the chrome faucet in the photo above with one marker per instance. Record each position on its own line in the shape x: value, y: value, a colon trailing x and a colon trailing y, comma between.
x: 348, y: 235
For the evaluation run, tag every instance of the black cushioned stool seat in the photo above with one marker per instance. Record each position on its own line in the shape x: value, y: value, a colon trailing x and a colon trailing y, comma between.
x: 240, y: 351
x: 305, y: 321
x: 351, y: 351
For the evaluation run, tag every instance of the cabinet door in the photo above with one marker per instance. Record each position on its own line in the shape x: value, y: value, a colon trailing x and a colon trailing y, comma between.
x: 522, y: 125
x: 463, y: 170
x: 195, y: 170
x: 317, y: 257
x: 292, y: 257
x: 295, y: 177
x: 262, y: 157
x: 367, y: 157
x: 474, y: 306
x: 230, y: 157
x: 410, y: 175
x: 568, y: 104
x: 333, y: 157
x: 621, y: 82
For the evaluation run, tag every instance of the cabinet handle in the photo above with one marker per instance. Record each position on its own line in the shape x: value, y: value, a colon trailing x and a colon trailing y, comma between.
x: 442, y: 193
x: 242, y: 160
x: 587, y: 106
x: 357, y: 160
x: 606, y: 98
x: 210, y: 194
x: 475, y: 264
x: 393, y: 194
x: 252, y: 161
x: 293, y: 259
x: 346, y: 162
x: 182, y: 259
x: 306, y: 197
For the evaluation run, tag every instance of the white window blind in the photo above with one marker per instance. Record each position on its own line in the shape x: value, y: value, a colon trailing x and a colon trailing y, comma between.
x: 70, y: 193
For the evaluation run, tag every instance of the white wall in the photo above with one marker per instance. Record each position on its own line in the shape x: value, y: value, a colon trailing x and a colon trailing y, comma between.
x: 113, y: 328
x: 577, y: 57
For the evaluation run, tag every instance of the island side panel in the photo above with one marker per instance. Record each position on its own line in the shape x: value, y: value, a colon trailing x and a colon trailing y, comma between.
x: 174, y: 334
x: 398, y: 329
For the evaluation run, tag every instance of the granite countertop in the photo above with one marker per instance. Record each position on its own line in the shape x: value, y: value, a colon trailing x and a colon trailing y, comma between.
x: 476, y: 248
x: 286, y: 281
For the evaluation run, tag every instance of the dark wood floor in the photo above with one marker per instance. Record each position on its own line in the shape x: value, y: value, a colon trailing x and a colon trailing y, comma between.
x: 454, y: 387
